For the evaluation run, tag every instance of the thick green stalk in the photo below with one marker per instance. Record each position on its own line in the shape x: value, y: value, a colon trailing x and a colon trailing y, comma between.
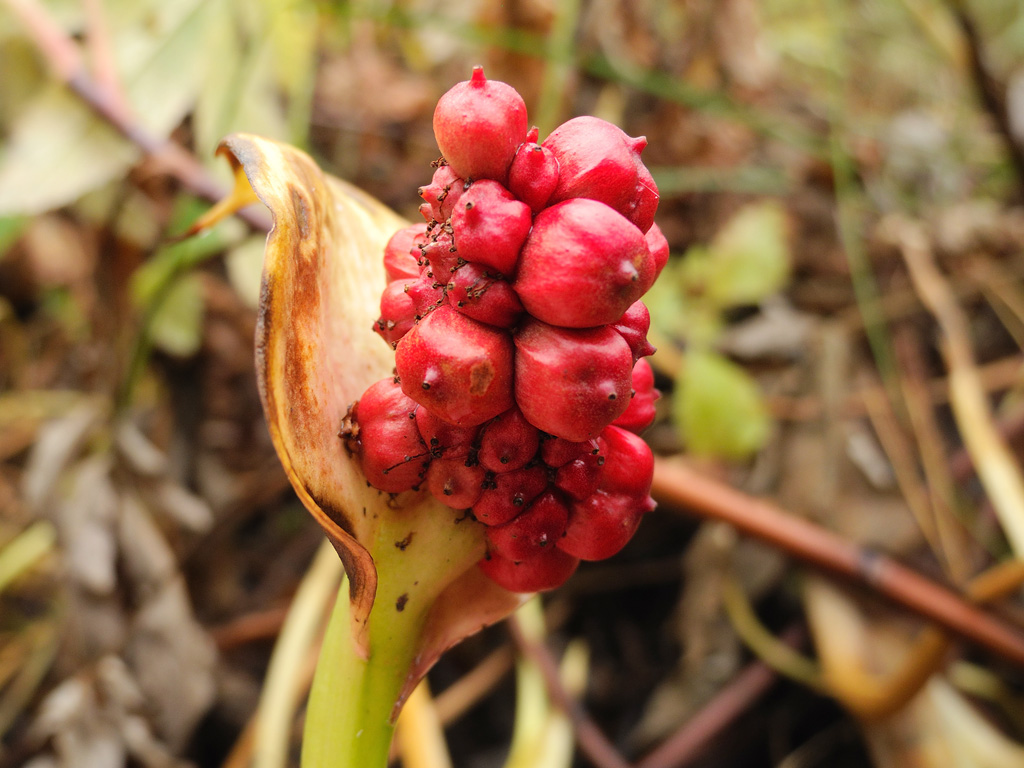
x: 348, y: 719
x: 417, y: 551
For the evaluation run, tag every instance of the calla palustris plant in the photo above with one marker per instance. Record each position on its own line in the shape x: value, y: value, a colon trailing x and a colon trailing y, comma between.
x: 536, y: 375
x: 413, y: 586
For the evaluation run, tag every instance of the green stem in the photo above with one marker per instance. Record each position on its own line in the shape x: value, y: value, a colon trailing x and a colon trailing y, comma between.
x: 348, y: 719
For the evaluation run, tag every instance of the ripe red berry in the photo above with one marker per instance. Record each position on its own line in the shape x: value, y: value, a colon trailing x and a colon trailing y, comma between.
x: 458, y: 368
x: 484, y: 297
x: 537, y: 528
x: 454, y: 483
x: 659, y: 248
x: 397, y: 312
x: 547, y: 569
x: 441, y: 255
x: 478, y: 125
x: 570, y: 383
x: 557, y: 451
x: 629, y: 468
x: 443, y: 439
x: 399, y: 253
x: 509, y: 494
x: 581, y: 476
x: 634, y: 325
x: 599, y: 161
x: 442, y: 193
x: 533, y: 175
x: 641, y: 411
x: 508, y: 442
x: 388, y: 443
x: 602, y: 524
x: 582, y: 265
x: 425, y: 293
x: 490, y: 226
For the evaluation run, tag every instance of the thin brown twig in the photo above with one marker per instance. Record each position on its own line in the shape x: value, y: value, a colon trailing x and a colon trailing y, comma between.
x: 65, y: 59
x: 689, y: 741
x: 459, y: 697
x: 685, y: 489
x: 259, y: 625
x: 592, y: 742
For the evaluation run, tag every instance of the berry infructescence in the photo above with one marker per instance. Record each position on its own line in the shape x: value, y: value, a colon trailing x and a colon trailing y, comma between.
x: 519, y: 337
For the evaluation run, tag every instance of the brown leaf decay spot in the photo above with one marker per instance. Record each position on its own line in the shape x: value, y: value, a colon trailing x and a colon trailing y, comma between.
x: 302, y: 209
x: 401, y: 601
x: 405, y: 542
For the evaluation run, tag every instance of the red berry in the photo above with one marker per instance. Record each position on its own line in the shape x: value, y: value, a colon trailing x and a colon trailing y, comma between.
x: 441, y: 255
x: 641, y: 412
x: 442, y: 193
x: 629, y: 465
x: 478, y: 125
x: 508, y: 442
x: 442, y: 438
x: 484, y: 297
x: 400, y: 253
x: 397, y: 312
x: 455, y: 484
x: 426, y: 294
x: 393, y: 457
x: 634, y: 325
x: 508, y: 494
x: 490, y: 226
x: 602, y: 525
x: 547, y: 569
x: 581, y: 476
x: 570, y: 383
x: 599, y: 161
x: 539, y: 527
x: 659, y: 248
x: 533, y: 175
x: 582, y: 265
x: 557, y: 451
x: 458, y: 368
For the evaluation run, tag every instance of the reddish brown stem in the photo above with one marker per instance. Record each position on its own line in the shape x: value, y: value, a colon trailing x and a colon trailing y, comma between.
x: 690, y: 741
x: 592, y: 742
x: 682, y: 487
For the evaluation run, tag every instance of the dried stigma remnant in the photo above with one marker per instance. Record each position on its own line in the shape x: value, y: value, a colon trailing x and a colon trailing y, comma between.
x: 519, y: 337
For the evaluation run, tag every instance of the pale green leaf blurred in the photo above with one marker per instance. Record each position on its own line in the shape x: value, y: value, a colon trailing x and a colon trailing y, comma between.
x: 717, y: 407
x: 177, y: 325
x: 749, y: 258
x: 244, y: 265
x: 261, y: 59
x: 678, y: 308
x: 58, y: 150
x: 11, y: 228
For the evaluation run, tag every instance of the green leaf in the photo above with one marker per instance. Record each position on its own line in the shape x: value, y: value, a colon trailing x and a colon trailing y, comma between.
x: 11, y: 228
x: 718, y: 409
x: 257, y: 53
x: 58, y: 149
x: 749, y: 258
x: 244, y: 264
x: 678, y: 308
x: 177, y: 325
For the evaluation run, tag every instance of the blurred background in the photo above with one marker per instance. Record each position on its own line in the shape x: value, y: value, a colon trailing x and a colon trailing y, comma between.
x: 841, y: 186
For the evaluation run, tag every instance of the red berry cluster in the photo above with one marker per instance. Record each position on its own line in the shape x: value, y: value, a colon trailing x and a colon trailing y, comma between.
x: 519, y: 337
